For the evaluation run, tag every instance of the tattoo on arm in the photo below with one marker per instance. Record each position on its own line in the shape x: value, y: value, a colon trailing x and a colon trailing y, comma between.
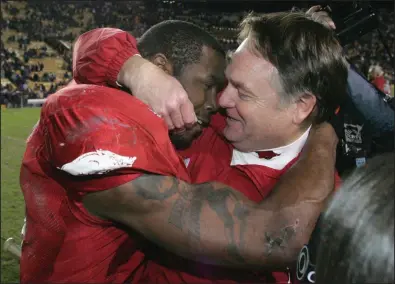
x: 232, y: 210
x: 272, y: 242
x: 155, y: 188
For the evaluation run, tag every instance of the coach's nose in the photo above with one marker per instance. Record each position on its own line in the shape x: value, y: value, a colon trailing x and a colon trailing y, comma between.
x: 228, y: 96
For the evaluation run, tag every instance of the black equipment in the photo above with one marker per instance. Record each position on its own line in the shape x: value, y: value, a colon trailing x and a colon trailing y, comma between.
x: 365, y: 123
x: 367, y: 114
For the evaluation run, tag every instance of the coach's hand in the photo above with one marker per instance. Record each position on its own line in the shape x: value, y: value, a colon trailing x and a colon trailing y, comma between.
x: 321, y: 16
x: 162, y: 92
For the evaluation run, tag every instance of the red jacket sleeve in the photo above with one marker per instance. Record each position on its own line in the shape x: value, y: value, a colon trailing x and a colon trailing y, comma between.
x: 99, y: 55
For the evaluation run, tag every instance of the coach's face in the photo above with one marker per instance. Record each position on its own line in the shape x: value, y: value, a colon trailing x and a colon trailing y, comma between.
x: 256, y: 119
x: 202, y: 81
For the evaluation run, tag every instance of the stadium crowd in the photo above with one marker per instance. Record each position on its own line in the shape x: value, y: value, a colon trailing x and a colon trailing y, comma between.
x: 38, y: 21
x: 16, y: 74
x: 369, y: 50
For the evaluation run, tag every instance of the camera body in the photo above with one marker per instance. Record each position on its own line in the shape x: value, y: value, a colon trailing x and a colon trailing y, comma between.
x: 353, y: 19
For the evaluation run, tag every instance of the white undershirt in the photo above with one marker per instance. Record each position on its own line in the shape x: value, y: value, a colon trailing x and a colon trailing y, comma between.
x: 286, y: 154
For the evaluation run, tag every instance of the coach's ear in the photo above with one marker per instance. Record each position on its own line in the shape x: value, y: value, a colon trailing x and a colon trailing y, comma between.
x: 305, y: 105
x: 162, y: 62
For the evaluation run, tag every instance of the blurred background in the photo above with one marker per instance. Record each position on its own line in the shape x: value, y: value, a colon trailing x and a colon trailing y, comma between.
x: 36, y: 54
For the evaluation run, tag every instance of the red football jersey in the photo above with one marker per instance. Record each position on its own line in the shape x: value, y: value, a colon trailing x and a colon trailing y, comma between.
x: 98, y: 57
x: 89, y: 138
x: 209, y: 159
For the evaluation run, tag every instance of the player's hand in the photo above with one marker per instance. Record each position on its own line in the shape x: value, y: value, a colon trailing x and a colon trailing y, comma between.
x: 162, y: 92
x: 321, y: 16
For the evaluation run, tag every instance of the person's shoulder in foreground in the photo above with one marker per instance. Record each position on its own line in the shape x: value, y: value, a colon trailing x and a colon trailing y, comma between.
x: 357, y: 238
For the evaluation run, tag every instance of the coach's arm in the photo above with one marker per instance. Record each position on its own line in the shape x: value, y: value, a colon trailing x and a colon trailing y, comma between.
x: 215, y: 224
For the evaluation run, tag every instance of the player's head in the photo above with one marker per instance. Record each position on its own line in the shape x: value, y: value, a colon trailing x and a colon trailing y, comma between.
x: 287, y: 73
x: 357, y: 233
x: 196, y: 59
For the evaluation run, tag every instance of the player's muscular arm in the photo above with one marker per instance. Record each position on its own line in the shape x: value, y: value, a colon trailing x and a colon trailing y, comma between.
x: 213, y: 223
x: 194, y: 221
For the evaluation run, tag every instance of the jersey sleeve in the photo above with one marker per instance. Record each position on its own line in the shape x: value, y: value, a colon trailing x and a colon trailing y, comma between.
x: 99, y: 54
x: 94, y: 149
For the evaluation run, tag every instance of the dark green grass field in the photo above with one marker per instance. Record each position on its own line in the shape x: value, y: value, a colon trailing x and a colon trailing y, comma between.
x: 16, y: 125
